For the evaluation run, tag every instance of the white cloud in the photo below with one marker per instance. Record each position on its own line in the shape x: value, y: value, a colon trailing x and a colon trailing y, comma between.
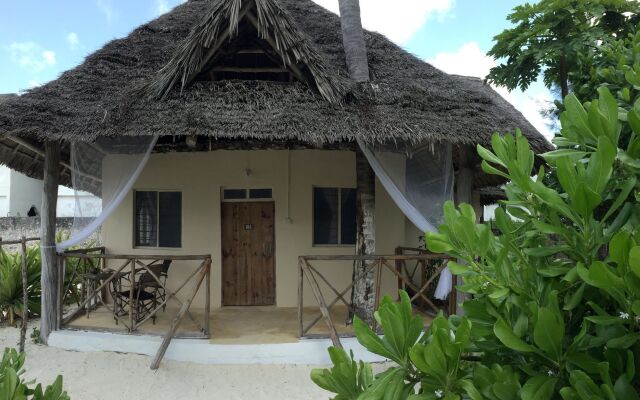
x: 398, y: 20
x: 73, y: 40
x: 106, y: 8
x: 31, y: 56
x: 34, y: 83
x: 49, y: 57
x: 469, y: 60
x: 163, y: 6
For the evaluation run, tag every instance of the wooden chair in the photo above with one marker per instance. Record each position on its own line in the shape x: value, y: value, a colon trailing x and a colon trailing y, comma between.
x: 147, y: 292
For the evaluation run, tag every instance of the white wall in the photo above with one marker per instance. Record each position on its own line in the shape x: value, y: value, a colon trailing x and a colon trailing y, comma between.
x: 200, y: 176
x: 5, y: 179
x: 25, y: 192
x: 90, y: 206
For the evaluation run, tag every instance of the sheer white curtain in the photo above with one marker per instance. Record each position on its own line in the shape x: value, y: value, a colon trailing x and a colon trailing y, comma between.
x: 419, y: 179
x: 88, y: 174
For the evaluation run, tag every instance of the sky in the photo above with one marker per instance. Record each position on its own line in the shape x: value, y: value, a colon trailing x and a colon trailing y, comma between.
x: 40, y: 39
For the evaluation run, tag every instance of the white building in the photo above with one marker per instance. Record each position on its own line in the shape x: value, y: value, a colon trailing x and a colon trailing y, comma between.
x: 18, y: 193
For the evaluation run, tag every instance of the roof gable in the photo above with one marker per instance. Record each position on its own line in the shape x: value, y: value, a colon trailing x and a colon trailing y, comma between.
x: 232, y: 27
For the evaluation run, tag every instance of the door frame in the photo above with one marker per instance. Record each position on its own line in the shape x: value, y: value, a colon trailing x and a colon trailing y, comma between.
x: 222, y: 272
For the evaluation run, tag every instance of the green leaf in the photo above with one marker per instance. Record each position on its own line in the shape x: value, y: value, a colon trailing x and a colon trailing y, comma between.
x: 539, y: 387
x: 574, y: 155
x: 634, y: 260
x: 577, y: 115
x: 548, y: 332
x: 623, y: 389
x: 504, y: 333
x: 457, y: 269
x: 623, y: 342
x: 489, y: 156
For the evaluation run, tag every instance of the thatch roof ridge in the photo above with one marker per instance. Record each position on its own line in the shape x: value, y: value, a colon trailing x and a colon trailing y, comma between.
x: 412, y: 100
x: 224, y: 17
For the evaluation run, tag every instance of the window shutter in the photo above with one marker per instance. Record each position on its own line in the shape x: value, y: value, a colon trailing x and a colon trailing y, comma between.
x: 170, y: 216
x: 325, y: 216
x: 348, y: 216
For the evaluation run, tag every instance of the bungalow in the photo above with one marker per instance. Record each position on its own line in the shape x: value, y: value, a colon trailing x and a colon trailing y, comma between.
x: 253, y: 149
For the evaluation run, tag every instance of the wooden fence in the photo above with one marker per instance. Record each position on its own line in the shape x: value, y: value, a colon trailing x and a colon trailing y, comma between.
x: 424, y: 272
x: 130, y: 267
x: 375, y: 263
x: 25, y: 286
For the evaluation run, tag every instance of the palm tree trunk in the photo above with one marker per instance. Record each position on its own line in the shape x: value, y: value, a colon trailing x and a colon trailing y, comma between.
x: 355, y: 48
x: 564, y: 76
x: 363, y: 294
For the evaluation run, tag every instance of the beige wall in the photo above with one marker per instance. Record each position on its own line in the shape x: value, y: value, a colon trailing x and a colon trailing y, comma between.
x: 291, y: 175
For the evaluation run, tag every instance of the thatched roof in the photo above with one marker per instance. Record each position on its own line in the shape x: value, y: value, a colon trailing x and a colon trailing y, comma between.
x: 133, y: 86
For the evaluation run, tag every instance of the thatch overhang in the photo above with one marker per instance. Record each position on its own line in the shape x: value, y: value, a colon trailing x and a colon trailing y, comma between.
x: 118, y: 90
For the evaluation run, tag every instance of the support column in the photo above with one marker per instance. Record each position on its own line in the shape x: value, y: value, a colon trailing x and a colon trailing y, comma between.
x: 464, y: 194
x: 49, y: 279
x: 363, y: 294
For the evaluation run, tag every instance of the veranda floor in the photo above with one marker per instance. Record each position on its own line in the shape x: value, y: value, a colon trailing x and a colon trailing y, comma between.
x: 230, y: 325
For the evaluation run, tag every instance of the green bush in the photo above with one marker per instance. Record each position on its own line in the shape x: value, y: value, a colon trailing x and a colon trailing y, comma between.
x: 555, y: 305
x: 13, y: 387
x: 11, y: 303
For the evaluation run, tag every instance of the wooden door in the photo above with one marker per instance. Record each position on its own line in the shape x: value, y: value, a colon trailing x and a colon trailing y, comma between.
x: 248, y: 245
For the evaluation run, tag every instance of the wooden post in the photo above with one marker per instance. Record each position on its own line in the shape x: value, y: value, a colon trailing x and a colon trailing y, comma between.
x: 464, y: 194
x: 313, y: 283
x: 25, y: 294
x: 207, y: 300
x: 49, y: 277
x: 300, y: 299
x: 176, y: 321
x: 363, y: 294
x: 132, y: 277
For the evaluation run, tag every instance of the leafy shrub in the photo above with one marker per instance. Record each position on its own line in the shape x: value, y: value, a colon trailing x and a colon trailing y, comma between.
x: 555, y: 307
x: 13, y: 387
x: 11, y: 303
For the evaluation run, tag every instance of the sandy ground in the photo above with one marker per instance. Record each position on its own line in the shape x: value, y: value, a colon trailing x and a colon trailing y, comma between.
x: 115, y: 376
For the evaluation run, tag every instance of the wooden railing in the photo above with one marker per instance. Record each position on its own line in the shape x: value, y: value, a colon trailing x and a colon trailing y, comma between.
x: 423, y: 272
x: 374, y: 263
x: 130, y: 267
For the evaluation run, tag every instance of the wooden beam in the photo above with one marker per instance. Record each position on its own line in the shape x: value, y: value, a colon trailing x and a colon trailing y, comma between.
x: 25, y: 293
x: 294, y: 68
x: 250, y: 69
x: 221, y: 39
x: 176, y: 321
x: 49, y: 277
x: 315, y: 288
x: 40, y: 152
x: 464, y: 194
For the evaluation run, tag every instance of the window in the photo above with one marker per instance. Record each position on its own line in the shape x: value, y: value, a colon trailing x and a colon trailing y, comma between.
x: 334, y: 216
x: 247, y: 194
x: 158, y: 219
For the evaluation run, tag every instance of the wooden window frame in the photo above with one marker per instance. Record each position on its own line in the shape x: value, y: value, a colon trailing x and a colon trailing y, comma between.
x: 247, y: 199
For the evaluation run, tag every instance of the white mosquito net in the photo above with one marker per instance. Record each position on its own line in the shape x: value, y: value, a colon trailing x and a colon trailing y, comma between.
x: 419, y: 179
x: 108, y: 186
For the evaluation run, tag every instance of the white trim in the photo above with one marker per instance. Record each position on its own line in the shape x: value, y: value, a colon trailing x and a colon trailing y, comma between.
x: 201, y: 351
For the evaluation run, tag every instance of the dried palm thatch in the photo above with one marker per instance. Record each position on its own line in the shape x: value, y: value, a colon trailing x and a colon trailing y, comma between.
x: 411, y: 99
x: 220, y: 24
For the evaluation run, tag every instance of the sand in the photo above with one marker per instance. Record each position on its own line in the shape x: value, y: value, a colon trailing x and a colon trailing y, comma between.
x: 114, y: 376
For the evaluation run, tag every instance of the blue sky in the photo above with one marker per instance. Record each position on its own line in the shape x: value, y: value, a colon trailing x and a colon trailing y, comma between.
x: 39, y: 39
